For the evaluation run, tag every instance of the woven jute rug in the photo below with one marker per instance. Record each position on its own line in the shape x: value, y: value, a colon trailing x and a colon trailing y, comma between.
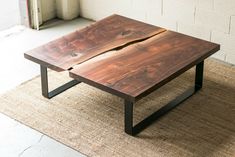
x: 91, y: 121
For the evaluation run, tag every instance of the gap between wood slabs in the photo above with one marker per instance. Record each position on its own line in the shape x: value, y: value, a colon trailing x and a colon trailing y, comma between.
x: 117, y: 49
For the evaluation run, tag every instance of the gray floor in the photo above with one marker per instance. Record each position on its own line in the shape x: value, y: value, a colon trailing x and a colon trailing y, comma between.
x: 18, y: 140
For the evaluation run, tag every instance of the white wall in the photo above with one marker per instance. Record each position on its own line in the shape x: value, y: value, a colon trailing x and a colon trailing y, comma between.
x: 212, y: 20
x: 9, y: 13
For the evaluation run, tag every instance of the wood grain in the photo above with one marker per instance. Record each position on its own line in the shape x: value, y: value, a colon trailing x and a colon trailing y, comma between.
x: 77, y: 47
x: 138, y: 69
x: 125, y: 57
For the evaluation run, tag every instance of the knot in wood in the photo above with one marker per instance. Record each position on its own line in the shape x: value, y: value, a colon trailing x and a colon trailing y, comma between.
x: 73, y: 54
x: 124, y: 33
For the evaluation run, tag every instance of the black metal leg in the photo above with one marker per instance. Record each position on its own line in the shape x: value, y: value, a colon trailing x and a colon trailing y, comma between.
x: 128, y: 117
x: 133, y: 130
x: 199, y: 76
x: 44, y: 85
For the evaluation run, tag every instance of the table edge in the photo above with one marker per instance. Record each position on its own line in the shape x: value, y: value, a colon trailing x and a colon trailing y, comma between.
x: 153, y: 88
x: 41, y: 62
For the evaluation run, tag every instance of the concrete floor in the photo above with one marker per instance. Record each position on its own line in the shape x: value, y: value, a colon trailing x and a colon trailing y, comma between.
x: 16, y: 139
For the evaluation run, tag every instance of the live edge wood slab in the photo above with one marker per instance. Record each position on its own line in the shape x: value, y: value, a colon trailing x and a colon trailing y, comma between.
x: 127, y: 58
x: 110, y: 33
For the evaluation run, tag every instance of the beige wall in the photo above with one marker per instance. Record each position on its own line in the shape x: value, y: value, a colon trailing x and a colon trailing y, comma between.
x: 48, y: 9
x: 67, y: 10
x: 212, y: 20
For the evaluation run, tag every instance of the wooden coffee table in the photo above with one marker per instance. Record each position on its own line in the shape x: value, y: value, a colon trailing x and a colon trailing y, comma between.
x: 127, y: 58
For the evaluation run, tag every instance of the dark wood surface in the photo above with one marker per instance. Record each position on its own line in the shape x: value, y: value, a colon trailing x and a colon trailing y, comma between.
x: 110, y: 33
x: 138, y: 69
x: 122, y: 56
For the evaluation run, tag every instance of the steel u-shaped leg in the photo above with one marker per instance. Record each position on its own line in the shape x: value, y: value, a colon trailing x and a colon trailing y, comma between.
x: 44, y: 85
x: 128, y: 119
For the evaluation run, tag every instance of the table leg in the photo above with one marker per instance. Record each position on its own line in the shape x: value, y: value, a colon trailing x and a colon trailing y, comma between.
x: 133, y: 130
x: 44, y: 85
x: 128, y: 117
x: 199, y: 76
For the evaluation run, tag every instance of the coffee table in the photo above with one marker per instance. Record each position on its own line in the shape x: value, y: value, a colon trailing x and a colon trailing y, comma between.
x: 127, y: 58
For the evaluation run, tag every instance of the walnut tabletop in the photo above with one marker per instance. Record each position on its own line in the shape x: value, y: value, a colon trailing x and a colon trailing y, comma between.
x: 110, y: 33
x: 136, y: 57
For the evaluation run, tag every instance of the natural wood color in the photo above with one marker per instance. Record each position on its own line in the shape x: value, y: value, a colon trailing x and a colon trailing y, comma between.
x: 122, y: 56
x: 138, y: 69
x: 110, y: 33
